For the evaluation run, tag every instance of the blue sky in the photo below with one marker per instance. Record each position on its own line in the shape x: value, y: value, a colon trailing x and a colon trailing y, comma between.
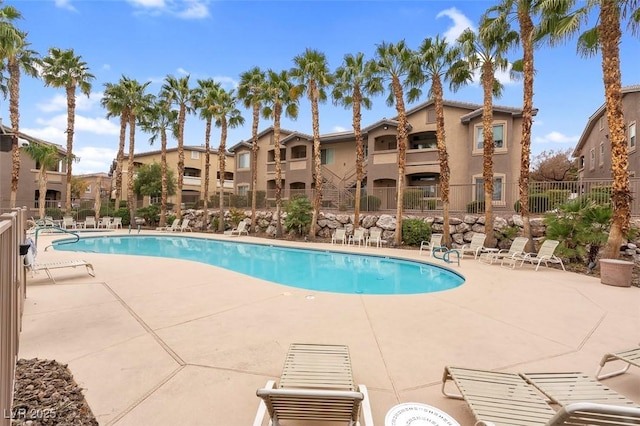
x: 150, y: 39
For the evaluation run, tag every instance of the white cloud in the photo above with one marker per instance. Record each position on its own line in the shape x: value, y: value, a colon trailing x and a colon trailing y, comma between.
x: 106, y: 67
x: 556, y: 137
x: 47, y: 133
x: 93, y: 160
x: 59, y: 102
x: 460, y: 23
x: 338, y: 129
x: 226, y: 81
x: 65, y: 4
x: 53, y: 129
x: 194, y: 10
x: 183, y: 71
x: 148, y: 3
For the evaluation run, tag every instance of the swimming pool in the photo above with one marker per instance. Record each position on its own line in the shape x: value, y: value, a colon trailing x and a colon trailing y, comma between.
x: 302, y: 268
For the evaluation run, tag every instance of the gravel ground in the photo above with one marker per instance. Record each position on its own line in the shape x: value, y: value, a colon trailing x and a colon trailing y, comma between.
x: 46, y: 394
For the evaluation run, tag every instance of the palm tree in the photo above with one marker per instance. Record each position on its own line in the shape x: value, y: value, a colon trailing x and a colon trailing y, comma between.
x: 206, y: 97
x: 63, y: 69
x: 523, y: 11
x: 19, y: 58
x: 604, y: 37
x: 177, y: 92
x: 138, y: 102
x: 115, y: 102
x: 226, y: 115
x: 280, y: 97
x: 396, y: 63
x: 251, y: 93
x: 46, y: 158
x: 486, y: 52
x: 355, y: 80
x: 312, y: 73
x: 441, y: 62
x: 157, y: 120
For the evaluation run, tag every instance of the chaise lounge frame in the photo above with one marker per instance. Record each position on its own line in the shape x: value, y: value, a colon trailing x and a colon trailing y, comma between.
x: 629, y: 356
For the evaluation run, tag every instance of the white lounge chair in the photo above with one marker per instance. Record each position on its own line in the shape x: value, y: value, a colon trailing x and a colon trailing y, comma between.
x: 185, y: 226
x: 357, y: 237
x: 47, y: 267
x: 89, y: 221
x: 116, y: 223
x: 629, y: 357
x: 475, y: 247
x: 240, y: 229
x: 339, y: 236
x: 375, y: 237
x: 545, y: 255
x: 511, y: 255
x: 316, y: 384
x: 435, y: 241
x: 68, y: 222
x: 173, y: 227
x: 105, y: 222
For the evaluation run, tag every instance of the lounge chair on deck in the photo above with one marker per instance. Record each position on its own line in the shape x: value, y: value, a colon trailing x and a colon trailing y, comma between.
x: 375, y: 237
x: 339, y: 236
x: 545, y: 255
x: 629, y: 356
x: 435, y: 241
x: 475, y: 247
x: 508, y: 399
x: 47, y: 267
x: 240, y: 229
x: 316, y: 384
x: 511, y: 255
x: 105, y: 222
x: 357, y: 237
x: 174, y: 226
x: 89, y: 221
x: 185, y: 226
x: 68, y: 222
x: 116, y: 223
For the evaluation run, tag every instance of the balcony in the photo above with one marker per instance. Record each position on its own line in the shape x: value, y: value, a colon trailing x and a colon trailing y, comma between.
x: 192, y: 181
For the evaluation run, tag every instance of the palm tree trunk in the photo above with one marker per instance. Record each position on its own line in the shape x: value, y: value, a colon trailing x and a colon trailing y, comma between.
x: 277, y: 112
x: 488, y: 148
x: 317, y: 199
x: 254, y: 163
x: 526, y: 37
x: 98, y: 200
x: 14, y: 113
x: 443, y: 156
x: 221, y: 167
x: 132, y: 142
x: 402, y: 155
x: 181, y: 121
x: 163, y: 168
x: 124, y: 119
x: 357, y: 118
x: 71, y: 115
x: 207, y: 172
x: 610, y: 34
x: 43, y: 190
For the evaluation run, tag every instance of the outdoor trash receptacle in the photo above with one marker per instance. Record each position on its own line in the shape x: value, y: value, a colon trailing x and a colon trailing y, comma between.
x: 616, y: 272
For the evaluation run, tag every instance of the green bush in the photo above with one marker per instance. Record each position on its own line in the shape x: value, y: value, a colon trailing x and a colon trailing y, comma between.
x: 236, y: 215
x: 54, y: 212
x: 415, y: 231
x: 151, y: 214
x: 538, y: 203
x: 600, y: 195
x: 239, y: 201
x: 299, y: 212
x: 475, y: 207
x: 261, y: 199
x: 123, y: 212
x: 557, y: 197
x: 123, y: 204
x: 83, y: 214
x: 370, y: 203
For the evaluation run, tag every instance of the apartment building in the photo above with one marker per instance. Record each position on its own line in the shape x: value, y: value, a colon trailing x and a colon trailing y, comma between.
x: 97, y: 185
x: 463, y: 127
x: 593, y: 150
x: 194, y: 172
x: 28, y: 188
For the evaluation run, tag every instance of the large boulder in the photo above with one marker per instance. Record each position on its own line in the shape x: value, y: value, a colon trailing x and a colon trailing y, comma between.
x: 386, y: 222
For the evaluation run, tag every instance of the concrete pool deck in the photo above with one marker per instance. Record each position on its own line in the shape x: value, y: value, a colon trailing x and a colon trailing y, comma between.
x: 156, y: 341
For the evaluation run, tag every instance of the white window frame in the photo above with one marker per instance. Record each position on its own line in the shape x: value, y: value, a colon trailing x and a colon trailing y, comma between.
x: 478, y: 143
x: 632, y: 136
x: 88, y: 189
x: 601, y: 157
x: 243, y: 189
x: 592, y: 159
x: 195, y: 155
x: 499, y: 188
x: 241, y: 156
x: 601, y: 123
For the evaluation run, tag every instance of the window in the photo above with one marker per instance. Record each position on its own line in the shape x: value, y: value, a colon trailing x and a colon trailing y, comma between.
x: 243, y: 160
x: 326, y: 156
x: 498, y: 192
x: 88, y: 189
x: 243, y: 190
x: 601, y: 159
x: 195, y: 155
x: 601, y: 123
x: 498, y: 137
x: 592, y: 159
x: 431, y: 116
x: 632, y: 136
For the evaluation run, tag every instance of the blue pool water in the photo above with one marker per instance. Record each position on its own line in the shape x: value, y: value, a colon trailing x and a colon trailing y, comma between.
x: 303, y: 268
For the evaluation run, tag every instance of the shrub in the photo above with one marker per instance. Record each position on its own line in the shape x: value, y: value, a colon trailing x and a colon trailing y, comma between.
x: 538, y: 203
x: 414, y: 231
x: 299, y: 214
x: 475, y: 207
x: 83, y: 214
x: 600, y: 195
x: 261, y: 199
x: 123, y: 212
x: 236, y: 216
x: 557, y: 197
x: 123, y: 204
x: 54, y: 212
x: 151, y: 214
x: 370, y: 203
x: 239, y: 201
